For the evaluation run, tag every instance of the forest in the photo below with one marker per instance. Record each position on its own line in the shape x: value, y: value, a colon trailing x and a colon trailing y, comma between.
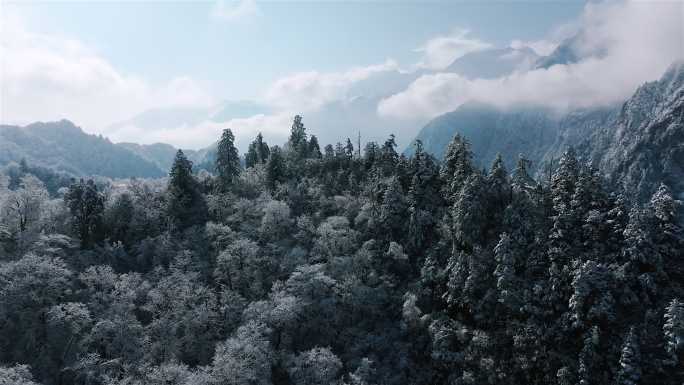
x: 299, y: 265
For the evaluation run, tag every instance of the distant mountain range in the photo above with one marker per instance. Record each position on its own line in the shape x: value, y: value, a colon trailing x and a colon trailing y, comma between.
x: 636, y: 144
x: 65, y: 147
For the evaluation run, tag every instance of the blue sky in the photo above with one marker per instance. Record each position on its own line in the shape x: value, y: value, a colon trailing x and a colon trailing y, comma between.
x: 238, y: 58
x: 378, y: 67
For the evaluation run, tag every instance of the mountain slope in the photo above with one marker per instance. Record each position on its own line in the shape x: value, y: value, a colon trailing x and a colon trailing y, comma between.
x: 637, y: 144
x: 645, y: 144
x: 65, y: 147
x: 493, y: 63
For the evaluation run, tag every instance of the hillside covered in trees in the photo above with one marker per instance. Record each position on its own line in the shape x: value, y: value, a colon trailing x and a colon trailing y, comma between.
x: 337, y: 266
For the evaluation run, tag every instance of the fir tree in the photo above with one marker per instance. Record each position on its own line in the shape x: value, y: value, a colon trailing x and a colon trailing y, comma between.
x: 227, y: 160
x: 257, y: 152
x: 673, y: 330
x: 86, y: 205
x: 275, y: 168
x: 521, y: 176
x: 393, y: 210
x: 457, y: 166
x: 314, y: 148
x: 630, y: 360
x: 297, y: 144
x: 185, y: 203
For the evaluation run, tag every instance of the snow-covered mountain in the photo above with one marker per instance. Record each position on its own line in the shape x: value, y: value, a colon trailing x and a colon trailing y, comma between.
x: 493, y: 63
x: 637, y: 144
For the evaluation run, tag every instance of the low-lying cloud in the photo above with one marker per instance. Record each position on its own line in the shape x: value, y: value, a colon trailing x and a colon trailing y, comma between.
x: 48, y: 77
x: 441, y: 51
x: 625, y: 44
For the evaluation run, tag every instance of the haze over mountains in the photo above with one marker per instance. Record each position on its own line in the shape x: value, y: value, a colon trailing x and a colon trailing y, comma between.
x: 637, y: 143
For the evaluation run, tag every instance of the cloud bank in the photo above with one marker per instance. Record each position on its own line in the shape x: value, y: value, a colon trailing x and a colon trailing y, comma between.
x: 622, y: 44
x: 47, y: 77
x: 441, y: 51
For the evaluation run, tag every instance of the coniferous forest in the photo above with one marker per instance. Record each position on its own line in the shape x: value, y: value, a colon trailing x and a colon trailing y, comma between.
x: 340, y: 265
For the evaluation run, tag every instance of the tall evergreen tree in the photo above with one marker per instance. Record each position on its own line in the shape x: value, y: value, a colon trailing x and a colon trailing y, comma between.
x: 673, y: 330
x: 185, y: 203
x: 630, y: 360
x: 521, y: 176
x: 298, y: 144
x: 388, y: 155
x: 393, y: 210
x: 275, y: 168
x: 349, y: 149
x: 227, y: 160
x: 257, y: 152
x: 314, y: 148
x: 457, y: 166
x: 86, y: 205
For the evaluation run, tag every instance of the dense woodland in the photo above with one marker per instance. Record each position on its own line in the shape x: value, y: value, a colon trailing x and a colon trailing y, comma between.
x: 339, y: 266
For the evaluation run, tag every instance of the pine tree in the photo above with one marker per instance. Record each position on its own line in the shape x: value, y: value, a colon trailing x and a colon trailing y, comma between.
x: 457, y: 166
x: 297, y: 144
x: 673, y: 329
x: 393, y: 210
x: 668, y: 234
x: 564, y: 234
x: 499, y: 192
x: 349, y: 149
x: 388, y: 155
x: 314, y: 148
x: 329, y: 152
x: 588, y: 357
x: 227, y: 160
x: 275, y: 168
x: 86, y: 205
x: 639, y: 239
x: 469, y: 213
x: 257, y: 153
x: 185, y: 203
x: 630, y: 360
x: 507, y: 282
x: 522, y: 180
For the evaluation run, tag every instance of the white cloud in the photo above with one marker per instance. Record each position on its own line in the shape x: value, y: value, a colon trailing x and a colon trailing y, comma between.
x: 309, y: 90
x: 628, y: 43
x: 540, y: 47
x: 49, y: 77
x: 441, y: 51
x: 236, y: 11
x: 274, y: 127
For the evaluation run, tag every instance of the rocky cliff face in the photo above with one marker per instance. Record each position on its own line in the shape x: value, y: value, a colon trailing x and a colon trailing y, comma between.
x: 644, y: 144
x: 637, y: 144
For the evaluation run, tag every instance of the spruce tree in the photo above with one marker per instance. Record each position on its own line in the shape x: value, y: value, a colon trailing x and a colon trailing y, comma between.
x: 185, y: 203
x: 298, y: 145
x: 630, y: 360
x: 456, y: 166
x: 314, y: 148
x: 86, y: 205
x: 275, y: 168
x: 257, y: 152
x: 673, y: 330
x: 227, y: 160
x: 393, y: 210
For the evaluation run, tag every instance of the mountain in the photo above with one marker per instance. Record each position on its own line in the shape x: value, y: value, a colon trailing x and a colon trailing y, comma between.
x: 493, y: 63
x: 63, y: 146
x: 578, y: 47
x: 644, y: 144
x: 637, y: 144
x: 161, y: 154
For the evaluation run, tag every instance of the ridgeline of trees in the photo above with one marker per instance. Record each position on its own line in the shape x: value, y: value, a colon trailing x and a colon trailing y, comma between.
x: 340, y: 267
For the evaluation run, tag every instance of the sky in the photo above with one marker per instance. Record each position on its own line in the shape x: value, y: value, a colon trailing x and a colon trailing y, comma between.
x: 102, y: 63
